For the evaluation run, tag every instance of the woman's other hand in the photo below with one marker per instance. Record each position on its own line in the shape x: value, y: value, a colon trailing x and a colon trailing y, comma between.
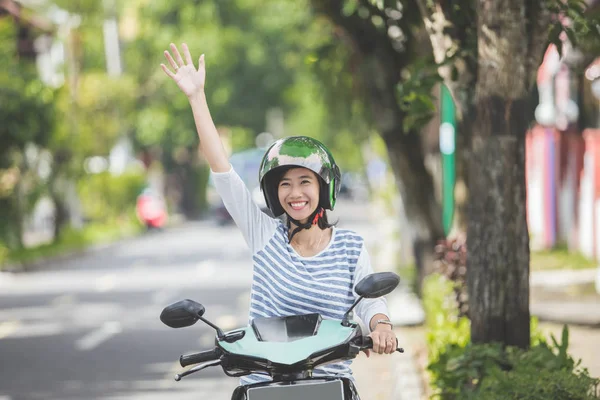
x: 189, y: 79
x: 384, y: 340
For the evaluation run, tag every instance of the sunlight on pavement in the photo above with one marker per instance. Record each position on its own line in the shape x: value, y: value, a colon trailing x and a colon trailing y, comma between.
x: 206, y: 269
x: 106, y: 283
x: 7, y: 328
x: 93, y: 339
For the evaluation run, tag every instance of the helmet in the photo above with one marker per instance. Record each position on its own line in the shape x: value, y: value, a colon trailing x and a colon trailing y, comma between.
x: 299, y: 151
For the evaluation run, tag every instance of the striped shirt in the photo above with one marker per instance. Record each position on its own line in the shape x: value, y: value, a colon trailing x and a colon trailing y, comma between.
x: 285, y: 283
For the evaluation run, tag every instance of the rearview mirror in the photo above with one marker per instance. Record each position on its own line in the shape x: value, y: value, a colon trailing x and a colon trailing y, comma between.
x: 373, y: 286
x: 377, y: 284
x: 181, y: 314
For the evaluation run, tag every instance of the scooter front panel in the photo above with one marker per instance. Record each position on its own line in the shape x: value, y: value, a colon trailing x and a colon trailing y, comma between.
x: 331, y: 333
x: 300, y: 390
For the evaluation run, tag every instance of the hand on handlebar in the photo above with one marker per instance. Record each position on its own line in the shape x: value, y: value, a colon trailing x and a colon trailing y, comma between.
x: 384, y: 341
x: 368, y: 346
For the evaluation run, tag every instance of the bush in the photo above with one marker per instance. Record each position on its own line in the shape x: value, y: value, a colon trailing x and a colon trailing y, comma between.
x: 461, y: 370
x: 490, y: 371
x: 107, y: 197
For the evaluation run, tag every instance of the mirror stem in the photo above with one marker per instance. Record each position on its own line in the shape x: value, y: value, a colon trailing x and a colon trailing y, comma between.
x: 345, y: 321
x: 220, y: 333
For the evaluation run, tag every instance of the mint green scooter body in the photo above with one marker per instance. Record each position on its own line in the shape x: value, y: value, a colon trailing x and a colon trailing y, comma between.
x: 331, y: 333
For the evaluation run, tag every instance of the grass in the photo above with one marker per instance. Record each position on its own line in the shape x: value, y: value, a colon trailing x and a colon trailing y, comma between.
x: 73, y: 240
x: 560, y: 258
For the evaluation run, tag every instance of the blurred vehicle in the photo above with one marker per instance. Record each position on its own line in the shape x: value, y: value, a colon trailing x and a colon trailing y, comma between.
x: 246, y: 163
x: 354, y: 186
x: 151, y: 210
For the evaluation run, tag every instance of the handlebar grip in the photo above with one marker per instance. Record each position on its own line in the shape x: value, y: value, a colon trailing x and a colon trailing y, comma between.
x: 368, y: 344
x: 197, y: 358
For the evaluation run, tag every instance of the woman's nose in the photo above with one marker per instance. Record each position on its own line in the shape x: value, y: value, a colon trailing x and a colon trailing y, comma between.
x: 296, y: 191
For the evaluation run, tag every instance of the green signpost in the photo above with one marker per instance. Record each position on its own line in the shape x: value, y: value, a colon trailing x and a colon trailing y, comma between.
x: 447, y: 150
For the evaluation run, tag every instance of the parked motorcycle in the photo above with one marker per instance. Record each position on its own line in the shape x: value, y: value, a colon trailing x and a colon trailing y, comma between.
x: 287, y: 349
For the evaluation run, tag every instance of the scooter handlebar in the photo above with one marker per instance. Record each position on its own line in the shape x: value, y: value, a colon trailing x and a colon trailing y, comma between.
x: 368, y: 344
x: 197, y: 358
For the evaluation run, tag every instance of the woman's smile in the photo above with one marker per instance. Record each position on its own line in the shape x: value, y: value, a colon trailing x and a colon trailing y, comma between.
x: 298, y: 205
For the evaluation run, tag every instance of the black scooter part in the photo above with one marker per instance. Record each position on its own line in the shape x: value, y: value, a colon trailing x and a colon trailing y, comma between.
x: 350, y: 392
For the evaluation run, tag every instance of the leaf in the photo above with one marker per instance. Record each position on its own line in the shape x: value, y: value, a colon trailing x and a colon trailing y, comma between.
x: 350, y: 7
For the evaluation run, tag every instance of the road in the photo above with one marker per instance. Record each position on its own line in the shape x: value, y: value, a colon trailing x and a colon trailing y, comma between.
x: 88, y: 328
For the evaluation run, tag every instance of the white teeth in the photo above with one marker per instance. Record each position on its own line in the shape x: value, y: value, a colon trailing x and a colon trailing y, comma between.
x: 298, y: 204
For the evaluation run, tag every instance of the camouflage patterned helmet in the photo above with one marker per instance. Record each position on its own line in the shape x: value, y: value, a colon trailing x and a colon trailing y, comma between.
x: 299, y: 151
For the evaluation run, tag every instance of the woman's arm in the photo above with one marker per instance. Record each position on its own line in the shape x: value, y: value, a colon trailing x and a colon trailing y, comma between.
x: 372, y: 310
x: 191, y: 82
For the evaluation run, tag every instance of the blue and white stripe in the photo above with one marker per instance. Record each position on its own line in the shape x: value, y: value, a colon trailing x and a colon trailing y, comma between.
x: 286, y: 284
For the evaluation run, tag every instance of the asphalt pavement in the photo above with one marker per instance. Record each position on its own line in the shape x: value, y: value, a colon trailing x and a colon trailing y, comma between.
x: 88, y: 327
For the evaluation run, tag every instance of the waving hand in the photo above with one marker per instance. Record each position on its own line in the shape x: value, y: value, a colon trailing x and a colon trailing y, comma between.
x: 189, y: 79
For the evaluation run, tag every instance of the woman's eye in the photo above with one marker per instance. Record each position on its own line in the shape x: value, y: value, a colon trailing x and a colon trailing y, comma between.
x: 305, y: 182
x: 284, y: 184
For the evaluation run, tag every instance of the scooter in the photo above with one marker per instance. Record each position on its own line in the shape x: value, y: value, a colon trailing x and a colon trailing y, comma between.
x: 285, y: 348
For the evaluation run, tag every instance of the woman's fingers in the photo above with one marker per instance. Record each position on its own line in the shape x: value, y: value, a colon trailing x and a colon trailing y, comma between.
x: 171, y: 61
x: 178, y: 58
x: 383, y: 343
x: 167, y: 71
x: 378, y: 346
x: 187, y: 55
x: 390, y: 345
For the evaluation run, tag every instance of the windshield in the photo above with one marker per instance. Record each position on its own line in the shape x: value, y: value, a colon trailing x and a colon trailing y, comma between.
x: 286, y: 329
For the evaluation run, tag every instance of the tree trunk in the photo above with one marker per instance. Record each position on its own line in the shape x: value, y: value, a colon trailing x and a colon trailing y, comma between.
x: 416, y: 189
x: 497, y: 235
x: 510, y: 37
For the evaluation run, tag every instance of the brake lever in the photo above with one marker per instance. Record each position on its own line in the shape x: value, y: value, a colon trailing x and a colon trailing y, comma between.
x: 196, y: 369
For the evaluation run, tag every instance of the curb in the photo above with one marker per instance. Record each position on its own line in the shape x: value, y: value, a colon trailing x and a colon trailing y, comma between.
x: 408, y: 384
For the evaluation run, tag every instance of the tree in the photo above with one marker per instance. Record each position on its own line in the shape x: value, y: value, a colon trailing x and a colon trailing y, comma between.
x: 490, y: 68
x: 491, y: 72
x: 393, y: 67
x: 26, y: 119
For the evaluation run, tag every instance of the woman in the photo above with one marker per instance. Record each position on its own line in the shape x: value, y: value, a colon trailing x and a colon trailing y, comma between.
x: 305, y: 265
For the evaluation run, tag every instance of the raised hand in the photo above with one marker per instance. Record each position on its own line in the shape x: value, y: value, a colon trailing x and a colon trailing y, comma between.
x: 189, y: 79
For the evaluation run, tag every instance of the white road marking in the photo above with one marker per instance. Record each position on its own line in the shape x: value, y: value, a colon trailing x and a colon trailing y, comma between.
x: 37, y: 329
x: 164, y: 296
x: 94, y: 338
x: 66, y: 299
x: 106, y: 283
x: 206, y: 268
x: 8, y: 328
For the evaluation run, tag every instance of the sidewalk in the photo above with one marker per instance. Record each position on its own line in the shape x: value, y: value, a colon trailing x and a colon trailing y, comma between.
x: 555, y: 302
x: 397, y: 376
x: 551, y: 299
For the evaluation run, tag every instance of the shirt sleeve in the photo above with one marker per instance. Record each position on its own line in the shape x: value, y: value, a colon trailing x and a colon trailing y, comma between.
x: 367, y: 308
x: 256, y: 226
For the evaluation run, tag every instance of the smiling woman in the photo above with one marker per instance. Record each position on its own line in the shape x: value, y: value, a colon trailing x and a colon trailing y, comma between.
x: 302, y: 265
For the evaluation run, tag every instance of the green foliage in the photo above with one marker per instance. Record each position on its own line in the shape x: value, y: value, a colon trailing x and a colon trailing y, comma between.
x: 461, y: 370
x: 489, y: 371
x: 445, y: 327
x: 106, y: 197
x: 26, y: 119
x: 72, y: 240
x: 582, y: 28
x: 415, y: 93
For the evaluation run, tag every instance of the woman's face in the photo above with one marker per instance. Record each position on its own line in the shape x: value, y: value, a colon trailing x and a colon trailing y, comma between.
x: 298, y: 193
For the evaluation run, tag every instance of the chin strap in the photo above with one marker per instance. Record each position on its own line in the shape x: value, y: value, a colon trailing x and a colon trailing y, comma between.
x: 313, y: 219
